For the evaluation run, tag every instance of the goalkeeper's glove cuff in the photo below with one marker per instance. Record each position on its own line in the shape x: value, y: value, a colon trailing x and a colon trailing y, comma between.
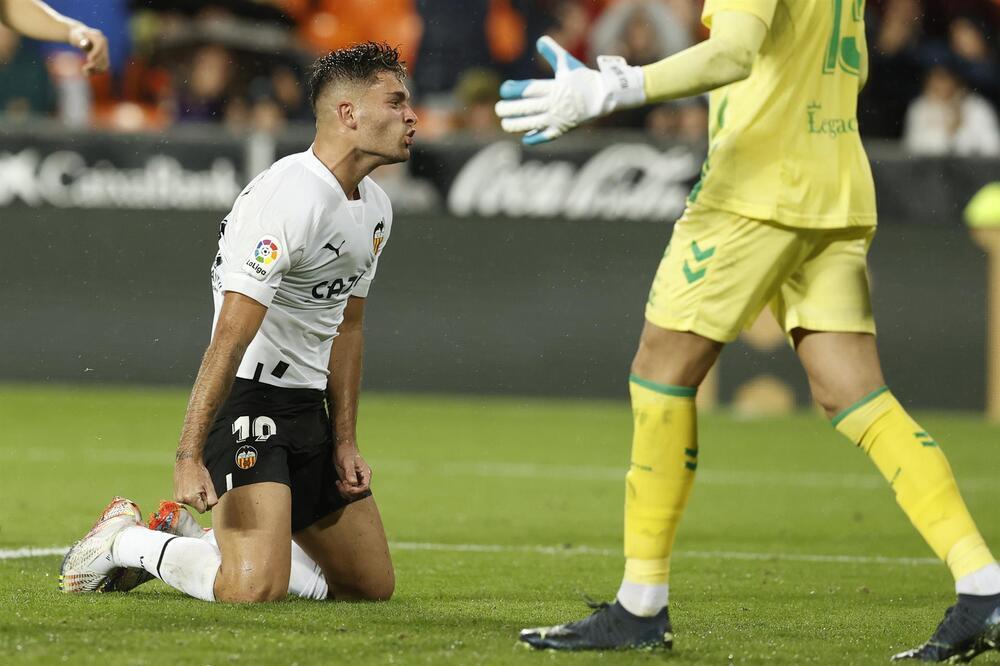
x: 624, y: 83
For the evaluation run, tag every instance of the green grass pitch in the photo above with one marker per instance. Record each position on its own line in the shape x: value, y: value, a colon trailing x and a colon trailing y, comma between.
x: 502, y: 513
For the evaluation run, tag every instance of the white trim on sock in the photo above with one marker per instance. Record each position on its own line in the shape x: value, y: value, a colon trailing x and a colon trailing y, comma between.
x: 643, y: 600
x: 983, y: 582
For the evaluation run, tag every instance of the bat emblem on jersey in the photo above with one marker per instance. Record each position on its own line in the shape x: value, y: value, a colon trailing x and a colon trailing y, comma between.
x: 335, y: 250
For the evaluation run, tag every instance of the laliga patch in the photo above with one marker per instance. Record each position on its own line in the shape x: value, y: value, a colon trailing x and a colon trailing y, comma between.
x: 262, y: 258
x: 246, y: 457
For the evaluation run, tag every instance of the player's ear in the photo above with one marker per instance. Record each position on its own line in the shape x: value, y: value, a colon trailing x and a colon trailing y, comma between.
x: 347, y: 114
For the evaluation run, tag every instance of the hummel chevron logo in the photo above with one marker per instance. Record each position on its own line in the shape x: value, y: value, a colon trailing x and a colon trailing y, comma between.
x: 699, y: 254
x: 335, y: 250
x: 693, y: 276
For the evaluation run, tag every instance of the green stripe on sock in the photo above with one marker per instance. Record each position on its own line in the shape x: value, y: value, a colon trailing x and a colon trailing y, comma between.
x: 665, y: 389
x: 860, y: 403
x: 691, y: 452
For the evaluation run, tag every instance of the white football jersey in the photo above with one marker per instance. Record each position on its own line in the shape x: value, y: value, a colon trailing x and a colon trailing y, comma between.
x: 295, y: 243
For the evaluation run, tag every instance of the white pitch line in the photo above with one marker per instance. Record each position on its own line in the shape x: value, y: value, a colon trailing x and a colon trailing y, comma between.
x: 23, y: 553
x: 522, y: 470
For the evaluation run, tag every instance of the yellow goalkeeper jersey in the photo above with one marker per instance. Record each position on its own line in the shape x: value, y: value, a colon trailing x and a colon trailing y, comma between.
x: 784, y: 143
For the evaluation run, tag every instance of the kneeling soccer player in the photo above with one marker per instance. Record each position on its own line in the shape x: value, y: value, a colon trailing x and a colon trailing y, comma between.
x: 783, y: 215
x: 269, y: 438
x: 306, y: 579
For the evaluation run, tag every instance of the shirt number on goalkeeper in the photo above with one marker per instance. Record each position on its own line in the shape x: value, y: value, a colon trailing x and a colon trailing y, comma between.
x: 263, y: 428
x: 843, y: 49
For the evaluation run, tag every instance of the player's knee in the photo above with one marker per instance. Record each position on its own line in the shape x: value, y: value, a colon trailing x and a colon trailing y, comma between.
x: 376, y: 588
x: 672, y: 357
x: 381, y: 591
x: 247, y: 588
x: 835, y: 397
x: 379, y: 588
x: 827, y: 401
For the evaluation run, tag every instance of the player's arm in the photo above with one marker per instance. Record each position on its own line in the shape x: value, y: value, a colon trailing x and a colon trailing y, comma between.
x: 548, y: 108
x: 725, y: 57
x: 342, y: 390
x: 239, y: 320
x: 35, y: 19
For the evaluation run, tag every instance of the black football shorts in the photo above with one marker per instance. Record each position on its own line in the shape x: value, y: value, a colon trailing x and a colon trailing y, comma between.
x: 270, y: 433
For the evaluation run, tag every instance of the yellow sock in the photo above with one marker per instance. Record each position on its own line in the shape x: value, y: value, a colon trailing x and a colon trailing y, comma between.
x: 659, y: 480
x: 919, y: 473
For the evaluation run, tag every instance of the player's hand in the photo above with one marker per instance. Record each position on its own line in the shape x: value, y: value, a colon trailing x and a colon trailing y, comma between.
x: 193, y: 485
x: 92, y: 42
x: 548, y: 108
x: 355, y: 474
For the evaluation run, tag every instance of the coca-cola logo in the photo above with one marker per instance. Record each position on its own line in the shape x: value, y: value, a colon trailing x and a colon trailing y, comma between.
x: 627, y: 181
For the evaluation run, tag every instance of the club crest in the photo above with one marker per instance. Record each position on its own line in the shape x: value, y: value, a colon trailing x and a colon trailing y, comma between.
x: 246, y: 457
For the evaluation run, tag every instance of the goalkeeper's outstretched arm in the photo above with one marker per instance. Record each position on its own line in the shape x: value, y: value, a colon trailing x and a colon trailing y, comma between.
x: 548, y: 108
x: 725, y: 57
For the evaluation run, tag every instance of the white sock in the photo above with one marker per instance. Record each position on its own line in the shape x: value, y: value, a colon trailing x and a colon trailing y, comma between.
x: 184, y: 563
x: 983, y: 582
x: 306, y: 580
x: 643, y: 600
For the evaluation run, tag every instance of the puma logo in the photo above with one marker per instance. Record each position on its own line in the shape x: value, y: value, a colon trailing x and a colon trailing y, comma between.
x: 335, y: 250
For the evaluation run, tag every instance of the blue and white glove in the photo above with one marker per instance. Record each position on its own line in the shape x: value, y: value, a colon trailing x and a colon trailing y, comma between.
x: 548, y: 108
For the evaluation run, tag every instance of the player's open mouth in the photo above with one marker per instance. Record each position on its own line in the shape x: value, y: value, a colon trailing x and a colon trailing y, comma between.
x: 408, y: 138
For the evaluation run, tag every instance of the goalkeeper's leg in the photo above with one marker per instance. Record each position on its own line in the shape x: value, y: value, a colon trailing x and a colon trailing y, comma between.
x: 846, y: 380
x: 666, y: 372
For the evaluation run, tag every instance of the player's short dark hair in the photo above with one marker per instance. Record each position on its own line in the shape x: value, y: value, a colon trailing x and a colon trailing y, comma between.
x: 360, y: 63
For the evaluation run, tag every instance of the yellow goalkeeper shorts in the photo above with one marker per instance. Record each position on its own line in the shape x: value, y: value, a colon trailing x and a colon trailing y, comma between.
x: 720, y: 270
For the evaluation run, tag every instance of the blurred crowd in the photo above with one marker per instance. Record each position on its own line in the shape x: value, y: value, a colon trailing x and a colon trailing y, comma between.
x: 935, y: 82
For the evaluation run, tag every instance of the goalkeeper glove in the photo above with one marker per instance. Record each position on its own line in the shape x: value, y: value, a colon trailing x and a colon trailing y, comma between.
x: 548, y: 108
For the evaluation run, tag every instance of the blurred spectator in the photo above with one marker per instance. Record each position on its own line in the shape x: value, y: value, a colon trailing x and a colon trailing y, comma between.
x: 289, y: 94
x: 204, y: 97
x: 454, y: 39
x: 894, y: 71
x: 642, y: 31
x: 969, y: 37
x: 571, y: 27
x: 685, y: 119
x: 25, y: 87
x: 476, y: 94
x: 949, y: 119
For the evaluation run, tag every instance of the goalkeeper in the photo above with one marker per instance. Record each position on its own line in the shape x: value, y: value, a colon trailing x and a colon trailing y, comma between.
x: 782, y: 216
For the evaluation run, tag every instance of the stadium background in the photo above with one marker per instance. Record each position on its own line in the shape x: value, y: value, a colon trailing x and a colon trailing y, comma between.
x: 510, y: 271
x: 511, y: 296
